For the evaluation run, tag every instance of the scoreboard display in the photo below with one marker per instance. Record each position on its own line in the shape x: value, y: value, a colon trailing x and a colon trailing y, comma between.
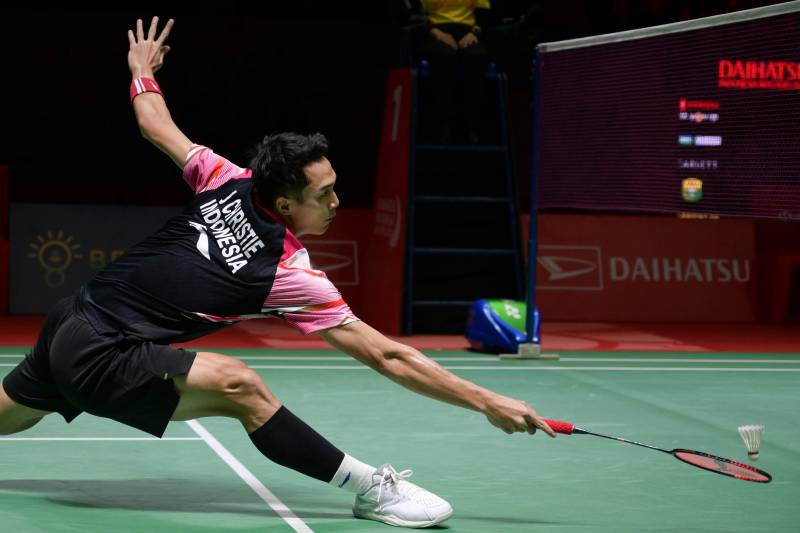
x: 700, y: 116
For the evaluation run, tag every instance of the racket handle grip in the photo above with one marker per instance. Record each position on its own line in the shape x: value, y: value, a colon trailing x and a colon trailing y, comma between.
x: 560, y: 427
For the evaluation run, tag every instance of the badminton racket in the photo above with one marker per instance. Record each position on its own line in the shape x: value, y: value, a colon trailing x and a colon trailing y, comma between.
x: 706, y: 461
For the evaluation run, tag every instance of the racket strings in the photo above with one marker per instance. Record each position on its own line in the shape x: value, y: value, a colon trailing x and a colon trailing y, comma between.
x: 722, y: 465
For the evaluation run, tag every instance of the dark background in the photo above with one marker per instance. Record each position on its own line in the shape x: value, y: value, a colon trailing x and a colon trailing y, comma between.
x: 239, y: 72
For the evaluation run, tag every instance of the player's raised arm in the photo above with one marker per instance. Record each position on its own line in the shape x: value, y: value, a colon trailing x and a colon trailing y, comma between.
x: 145, y: 57
x: 415, y: 371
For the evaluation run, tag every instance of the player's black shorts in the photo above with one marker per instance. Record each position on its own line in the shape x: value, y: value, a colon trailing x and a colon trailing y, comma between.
x: 74, y: 369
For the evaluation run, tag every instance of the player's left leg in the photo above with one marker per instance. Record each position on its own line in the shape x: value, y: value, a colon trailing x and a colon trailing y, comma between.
x: 218, y: 385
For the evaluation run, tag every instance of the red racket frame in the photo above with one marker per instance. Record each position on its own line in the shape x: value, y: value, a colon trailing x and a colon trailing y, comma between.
x: 567, y: 428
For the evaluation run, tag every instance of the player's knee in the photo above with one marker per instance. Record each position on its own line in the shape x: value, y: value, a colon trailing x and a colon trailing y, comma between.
x: 243, y: 386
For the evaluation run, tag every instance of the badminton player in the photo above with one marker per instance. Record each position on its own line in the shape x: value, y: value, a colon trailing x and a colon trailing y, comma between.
x: 233, y: 254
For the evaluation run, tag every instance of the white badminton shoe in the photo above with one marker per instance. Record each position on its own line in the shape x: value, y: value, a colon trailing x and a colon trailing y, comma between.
x: 393, y: 500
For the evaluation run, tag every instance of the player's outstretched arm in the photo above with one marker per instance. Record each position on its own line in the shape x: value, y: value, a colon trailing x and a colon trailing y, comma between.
x: 145, y: 57
x: 419, y: 373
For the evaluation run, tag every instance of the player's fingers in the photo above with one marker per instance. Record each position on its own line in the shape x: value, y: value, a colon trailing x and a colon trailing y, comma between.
x: 139, y: 30
x: 165, y: 31
x: 151, y: 33
x: 131, y: 38
x: 521, y: 424
x: 548, y: 429
x: 161, y: 54
x: 509, y: 427
x: 539, y: 422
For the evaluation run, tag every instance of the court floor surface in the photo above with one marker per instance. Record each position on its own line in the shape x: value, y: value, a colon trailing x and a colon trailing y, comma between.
x: 205, y: 475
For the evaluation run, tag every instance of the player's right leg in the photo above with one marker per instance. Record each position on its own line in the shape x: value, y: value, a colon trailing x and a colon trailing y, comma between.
x: 15, y: 417
x: 218, y: 385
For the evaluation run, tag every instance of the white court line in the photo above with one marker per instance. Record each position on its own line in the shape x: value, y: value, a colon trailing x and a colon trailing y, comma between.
x: 153, y: 439
x: 537, y: 368
x: 338, y: 358
x: 533, y: 368
x: 497, y: 360
x: 278, y: 506
x: 314, y: 358
x: 676, y: 360
x: 630, y: 368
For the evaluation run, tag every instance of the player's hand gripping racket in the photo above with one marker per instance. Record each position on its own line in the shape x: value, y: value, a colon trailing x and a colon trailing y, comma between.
x: 712, y: 463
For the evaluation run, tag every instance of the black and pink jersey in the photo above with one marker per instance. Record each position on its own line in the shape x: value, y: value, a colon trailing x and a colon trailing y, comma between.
x: 224, y: 259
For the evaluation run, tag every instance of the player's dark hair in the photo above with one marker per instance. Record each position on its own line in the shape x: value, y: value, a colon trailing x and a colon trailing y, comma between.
x: 278, y: 161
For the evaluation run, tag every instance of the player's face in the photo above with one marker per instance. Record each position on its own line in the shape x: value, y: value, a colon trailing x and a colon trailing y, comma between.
x: 316, y: 212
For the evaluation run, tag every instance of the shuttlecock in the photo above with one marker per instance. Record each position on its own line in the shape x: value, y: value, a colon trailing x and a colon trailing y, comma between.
x: 751, y: 435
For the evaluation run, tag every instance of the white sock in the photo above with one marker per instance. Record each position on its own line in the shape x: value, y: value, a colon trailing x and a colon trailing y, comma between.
x: 353, y: 475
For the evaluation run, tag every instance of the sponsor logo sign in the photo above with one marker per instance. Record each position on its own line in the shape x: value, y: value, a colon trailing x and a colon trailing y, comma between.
x: 698, y: 116
x: 338, y: 259
x: 759, y: 74
x: 677, y: 269
x: 684, y: 104
x: 389, y: 219
x: 707, y: 140
x: 55, y: 248
x: 54, y: 254
x: 698, y: 164
x: 692, y: 189
x: 564, y: 267
x: 699, y: 140
x: 383, y: 274
x: 645, y: 268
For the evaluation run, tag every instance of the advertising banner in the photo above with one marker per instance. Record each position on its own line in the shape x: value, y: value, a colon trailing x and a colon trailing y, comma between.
x: 386, y: 244
x: 658, y: 269
x: 340, y: 254
x: 54, y: 249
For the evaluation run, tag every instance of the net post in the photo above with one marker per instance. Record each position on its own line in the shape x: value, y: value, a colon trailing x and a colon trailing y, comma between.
x: 531, y: 349
x: 533, y: 227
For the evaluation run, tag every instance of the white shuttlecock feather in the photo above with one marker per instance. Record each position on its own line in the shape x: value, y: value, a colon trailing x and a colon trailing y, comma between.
x: 751, y: 435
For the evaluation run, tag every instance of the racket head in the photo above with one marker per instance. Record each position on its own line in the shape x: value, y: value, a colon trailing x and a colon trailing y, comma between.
x: 721, y: 465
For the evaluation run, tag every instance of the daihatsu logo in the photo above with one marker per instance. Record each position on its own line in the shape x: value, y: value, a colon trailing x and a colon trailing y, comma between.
x: 565, y: 267
x: 577, y: 268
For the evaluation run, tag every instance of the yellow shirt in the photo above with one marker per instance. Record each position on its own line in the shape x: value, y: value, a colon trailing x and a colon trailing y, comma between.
x: 453, y: 11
